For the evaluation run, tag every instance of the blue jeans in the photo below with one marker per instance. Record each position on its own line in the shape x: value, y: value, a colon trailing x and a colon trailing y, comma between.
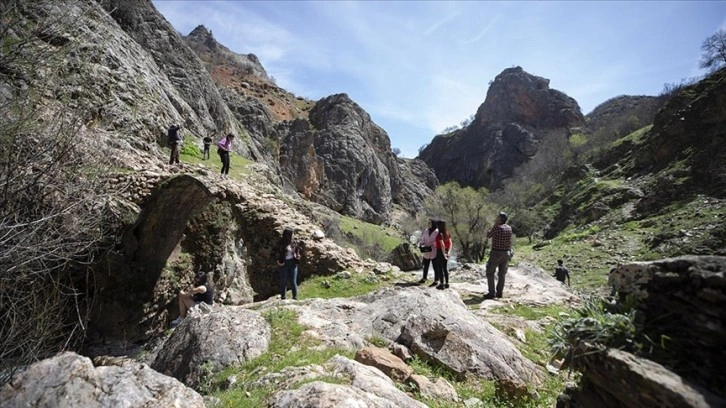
x: 288, y: 274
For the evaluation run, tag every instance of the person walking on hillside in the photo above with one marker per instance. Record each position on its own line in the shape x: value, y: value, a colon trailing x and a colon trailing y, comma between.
x: 561, y: 273
x: 207, y: 143
x: 443, y: 249
x: 223, y: 148
x: 427, y: 245
x: 289, y: 254
x: 501, y: 235
x: 202, y: 292
x: 174, y: 140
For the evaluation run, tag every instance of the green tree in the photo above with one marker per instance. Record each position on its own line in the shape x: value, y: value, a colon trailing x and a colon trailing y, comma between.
x: 466, y: 211
x: 713, y: 51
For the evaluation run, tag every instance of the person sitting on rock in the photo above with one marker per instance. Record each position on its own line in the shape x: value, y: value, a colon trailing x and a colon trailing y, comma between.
x: 203, y: 292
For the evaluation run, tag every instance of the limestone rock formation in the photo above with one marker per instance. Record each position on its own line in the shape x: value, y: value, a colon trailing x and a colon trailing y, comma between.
x: 343, y: 160
x: 203, y: 42
x: 618, y: 379
x: 368, y: 387
x: 519, y: 114
x: 71, y: 380
x: 412, y: 316
x: 203, y: 345
x: 691, y: 292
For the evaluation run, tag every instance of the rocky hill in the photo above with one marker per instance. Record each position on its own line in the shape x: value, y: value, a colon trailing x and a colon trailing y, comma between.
x: 623, y: 114
x: 519, y: 114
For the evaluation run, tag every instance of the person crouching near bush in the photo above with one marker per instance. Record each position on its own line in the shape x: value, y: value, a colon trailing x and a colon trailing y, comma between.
x: 289, y: 253
x: 203, y: 292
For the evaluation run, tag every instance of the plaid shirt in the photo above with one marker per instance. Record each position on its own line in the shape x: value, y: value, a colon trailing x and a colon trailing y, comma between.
x: 501, y: 236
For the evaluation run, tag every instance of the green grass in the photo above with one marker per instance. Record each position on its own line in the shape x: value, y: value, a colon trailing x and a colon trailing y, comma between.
x: 237, y: 164
x: 370, y: 235
x: 289, y: 347
x: 533, y: 312
x: 328, y: 287
x: 634, y: 137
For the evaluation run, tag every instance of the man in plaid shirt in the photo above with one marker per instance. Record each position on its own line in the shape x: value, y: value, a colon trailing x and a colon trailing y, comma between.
x: 501, y: 235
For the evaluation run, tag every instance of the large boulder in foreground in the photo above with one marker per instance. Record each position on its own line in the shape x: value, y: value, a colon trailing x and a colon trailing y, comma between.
x: 619, y: 379
x: 684, y: 299
x: 206, y: 344
x: 70, y: 380
x: 364, y: 387
x: 436, y: 325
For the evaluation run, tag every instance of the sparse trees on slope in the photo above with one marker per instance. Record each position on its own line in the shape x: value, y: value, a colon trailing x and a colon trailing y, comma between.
x: 51, y: 198
x: 713, y: 51
x: 466, y: 212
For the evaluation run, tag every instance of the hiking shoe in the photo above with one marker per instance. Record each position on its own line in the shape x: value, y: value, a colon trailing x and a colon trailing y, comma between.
x: 499, y: 295
x: 489, y: 296
x: 422, y: 281
x: 434, y: 284
x: 440, y: 287
x: 176, y: 321
x: 446, y: 285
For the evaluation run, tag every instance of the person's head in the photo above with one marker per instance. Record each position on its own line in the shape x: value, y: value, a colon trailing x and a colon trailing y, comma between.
x: 559, y: 262
x: 230, y: 136
x: 286, y: 236
x: 432, y: 224
x: 502, y: 218
x: 200, y: 278
x: 441, y: 225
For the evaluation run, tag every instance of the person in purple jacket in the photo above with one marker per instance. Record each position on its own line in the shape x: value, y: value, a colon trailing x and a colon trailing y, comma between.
x: 223, y: 148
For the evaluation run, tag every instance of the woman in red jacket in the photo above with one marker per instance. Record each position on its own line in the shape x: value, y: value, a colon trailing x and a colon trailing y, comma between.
x: 443, y: 249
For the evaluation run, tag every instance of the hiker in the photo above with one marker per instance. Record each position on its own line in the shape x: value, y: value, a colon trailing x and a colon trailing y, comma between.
x: 223, y: 148
x: 203, y: 292
x: 443, y: 249
x: 427, y: 246
x: 501, y: 235
x: 289, y: 254
x: 561, y: 272
x: 207, y: 143
x: 174, y: 139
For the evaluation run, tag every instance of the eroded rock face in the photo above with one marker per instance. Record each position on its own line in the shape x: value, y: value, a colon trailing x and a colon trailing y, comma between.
x: 341, y: 159
x: 519, y: 114
x: 203, y: 345
x: 71, y: 380
x: 683, y: 298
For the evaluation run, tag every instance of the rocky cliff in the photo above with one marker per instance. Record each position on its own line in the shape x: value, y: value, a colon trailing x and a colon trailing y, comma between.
x: 520, y: 113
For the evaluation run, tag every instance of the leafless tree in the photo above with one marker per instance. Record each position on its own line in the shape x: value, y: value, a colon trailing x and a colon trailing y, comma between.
x: 52, y: 194
x: 713, y: 51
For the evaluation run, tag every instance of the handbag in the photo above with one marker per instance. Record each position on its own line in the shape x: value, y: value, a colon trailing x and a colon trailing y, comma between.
x: 424, y: 249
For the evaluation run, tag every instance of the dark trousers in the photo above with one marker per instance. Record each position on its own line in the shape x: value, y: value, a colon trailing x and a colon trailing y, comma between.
x: 426, y: 263
x: 497, y: 259
x: 205, y: 153
x: 174, y: 157
x: 441, y: 268
x: 224, y: 155
x: 288, y: 274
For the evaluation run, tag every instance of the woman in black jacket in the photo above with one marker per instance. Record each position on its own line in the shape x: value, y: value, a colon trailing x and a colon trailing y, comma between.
x: 289, y: 253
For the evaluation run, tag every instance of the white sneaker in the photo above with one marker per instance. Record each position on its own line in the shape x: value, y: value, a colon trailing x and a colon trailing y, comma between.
x: 176, y: 321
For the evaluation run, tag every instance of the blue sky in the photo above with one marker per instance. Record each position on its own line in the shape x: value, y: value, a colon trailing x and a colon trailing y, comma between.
x: 419, y: 66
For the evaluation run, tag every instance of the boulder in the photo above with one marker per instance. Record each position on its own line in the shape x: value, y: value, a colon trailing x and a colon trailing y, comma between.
x: 71, y: 380
x: 203, y: 345
x: 412, y: 316
x: 406, y: 257
x: 619, y: 379
x: 434, y: 388
x: 691, y: 292
x: 368, y: 387
x: 385, y: 361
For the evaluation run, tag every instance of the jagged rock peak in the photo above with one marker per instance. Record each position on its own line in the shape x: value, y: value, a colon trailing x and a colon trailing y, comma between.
x: 201, y: 33
x: 518, y: 96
